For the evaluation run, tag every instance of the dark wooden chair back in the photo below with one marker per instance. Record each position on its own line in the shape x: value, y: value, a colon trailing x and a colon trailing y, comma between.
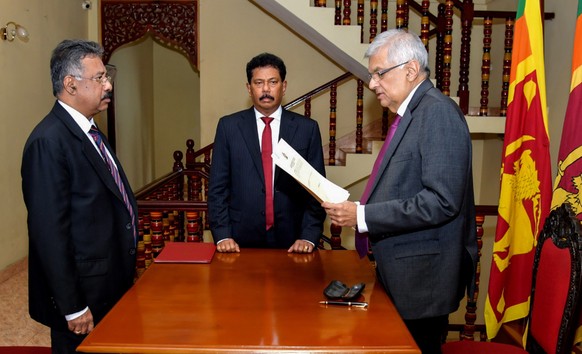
x: 556, y: 284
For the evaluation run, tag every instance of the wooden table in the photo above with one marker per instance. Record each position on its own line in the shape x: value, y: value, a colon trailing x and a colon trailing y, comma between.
x: 253, y: 301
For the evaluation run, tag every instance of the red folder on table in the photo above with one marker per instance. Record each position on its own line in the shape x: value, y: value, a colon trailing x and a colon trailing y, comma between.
x: 186, y: 252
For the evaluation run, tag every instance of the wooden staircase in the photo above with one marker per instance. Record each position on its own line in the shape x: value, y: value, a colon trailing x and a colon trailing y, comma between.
x: 342, y: 41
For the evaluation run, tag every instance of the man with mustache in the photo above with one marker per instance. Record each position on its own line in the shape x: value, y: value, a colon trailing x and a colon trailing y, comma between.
x: 252, y: 203
x: 82, y: 214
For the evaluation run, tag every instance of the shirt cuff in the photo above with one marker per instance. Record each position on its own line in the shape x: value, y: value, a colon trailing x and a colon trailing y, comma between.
x: 361, y: 218
x: 76, y: 314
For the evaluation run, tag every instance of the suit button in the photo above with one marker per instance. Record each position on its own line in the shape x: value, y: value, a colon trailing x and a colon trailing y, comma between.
x: 131, y: 251
x: 128, y: 226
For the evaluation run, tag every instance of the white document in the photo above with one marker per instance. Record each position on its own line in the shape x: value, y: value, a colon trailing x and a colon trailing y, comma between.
x: 321, y: 188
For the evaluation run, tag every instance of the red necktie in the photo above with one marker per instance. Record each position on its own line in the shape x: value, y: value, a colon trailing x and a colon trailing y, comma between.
x: 266, y: 152
x: 114, y: 173
x: 362, y: 238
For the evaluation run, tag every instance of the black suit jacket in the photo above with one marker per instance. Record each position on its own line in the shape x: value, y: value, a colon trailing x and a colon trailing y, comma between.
x: 236, y: 194
x: 81, y: 244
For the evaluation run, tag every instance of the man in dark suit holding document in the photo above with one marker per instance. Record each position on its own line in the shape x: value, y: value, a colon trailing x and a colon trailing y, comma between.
x: 418, y: 209
x: 246, y: 208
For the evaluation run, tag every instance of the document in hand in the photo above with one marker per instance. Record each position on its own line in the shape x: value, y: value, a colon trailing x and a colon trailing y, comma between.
x: 321, y: 188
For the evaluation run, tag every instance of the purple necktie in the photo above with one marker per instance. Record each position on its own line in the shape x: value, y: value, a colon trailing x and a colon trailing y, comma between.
x: 114, y: 173
x: 362, y: 238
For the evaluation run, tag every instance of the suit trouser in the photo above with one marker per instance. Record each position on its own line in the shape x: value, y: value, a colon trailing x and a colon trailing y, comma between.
x: 65, y: 342
x: 428, y: 333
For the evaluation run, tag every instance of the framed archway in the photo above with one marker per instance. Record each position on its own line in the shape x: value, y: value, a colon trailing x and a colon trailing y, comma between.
x: 171, y: 22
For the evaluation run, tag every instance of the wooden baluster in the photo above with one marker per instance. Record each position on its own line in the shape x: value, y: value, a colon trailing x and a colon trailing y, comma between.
x: 448, y: 47
x: 347, y: 13
x: 360, y: 19
x: 189, y: 188
x: 335, y: 239
x: 425, y: 23
x: 509, y: 23
x: 400, y: 16
x: 439, y: 60
x: 406, y: 14
x: 359, y: 116
x: 486, y: 65
x: 384, y: 17
x: 332, y: 123
x: 373, y: 19
x: 193, y: 226
x: 157, y: 232
x: 466, y: 24
x: 190, y: 160
x: 166, y: 227
x: 307, y: 107
x: 140, y: 250
x: 173, y: 191
x: 196, y: 189
x: 471, y: 313
x: 147, y: 239
x: 178, y: 161
x: 173, y: 226
x: 338, y: 13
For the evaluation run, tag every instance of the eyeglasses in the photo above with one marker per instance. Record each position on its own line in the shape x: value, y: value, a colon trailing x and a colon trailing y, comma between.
x: 377, y: 75
x: 102, y: 79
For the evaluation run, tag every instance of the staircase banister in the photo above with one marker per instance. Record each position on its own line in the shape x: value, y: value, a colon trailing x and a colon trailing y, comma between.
x: 477, y: 13
x: 202, y: 151
x: 155, y: 184
x: 317, y: 90
x: 506, y: 14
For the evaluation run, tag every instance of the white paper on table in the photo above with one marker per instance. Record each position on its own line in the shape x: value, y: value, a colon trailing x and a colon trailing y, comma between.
x: 294, y: 164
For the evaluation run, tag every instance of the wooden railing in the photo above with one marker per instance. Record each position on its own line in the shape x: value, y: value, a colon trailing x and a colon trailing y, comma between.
x: 438, y: 29
x: 174, y: 207
x: 468, y: 329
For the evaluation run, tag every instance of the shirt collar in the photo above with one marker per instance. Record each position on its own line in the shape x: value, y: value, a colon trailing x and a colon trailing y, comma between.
x: 275, y: 115
x: 82, y: 121
x: 402, y: 109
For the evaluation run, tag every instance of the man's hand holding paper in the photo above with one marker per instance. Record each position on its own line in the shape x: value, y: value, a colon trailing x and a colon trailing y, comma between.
x: 294, y: 164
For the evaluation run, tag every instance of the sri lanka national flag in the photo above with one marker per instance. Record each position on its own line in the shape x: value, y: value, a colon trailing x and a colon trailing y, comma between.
x: 526, y: 186
x: 568, y: 182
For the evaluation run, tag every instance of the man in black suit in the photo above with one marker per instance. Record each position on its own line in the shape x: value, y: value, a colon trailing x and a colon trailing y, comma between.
x: 81, y: 222
x: 238, y: 196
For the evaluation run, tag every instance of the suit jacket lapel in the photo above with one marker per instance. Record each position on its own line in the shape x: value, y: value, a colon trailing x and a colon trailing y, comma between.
x: 248, y: 128
x: 287, y: 130
x: 93, y: 156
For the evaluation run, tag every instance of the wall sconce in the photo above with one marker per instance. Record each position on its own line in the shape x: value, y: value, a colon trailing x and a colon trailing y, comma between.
x: 13, y: 30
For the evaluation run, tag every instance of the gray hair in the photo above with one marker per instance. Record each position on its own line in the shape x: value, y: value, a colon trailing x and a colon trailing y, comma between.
x: 67, y: 60
x: 400, y: 46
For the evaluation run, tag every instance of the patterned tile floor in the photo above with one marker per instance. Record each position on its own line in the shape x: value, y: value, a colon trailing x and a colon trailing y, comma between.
x: 16, y: 326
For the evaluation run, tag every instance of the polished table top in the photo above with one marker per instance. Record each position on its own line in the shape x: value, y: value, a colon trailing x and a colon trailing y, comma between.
x: 253, y: 301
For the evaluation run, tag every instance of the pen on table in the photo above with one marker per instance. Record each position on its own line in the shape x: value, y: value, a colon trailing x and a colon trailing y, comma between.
x: 345, y: 303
